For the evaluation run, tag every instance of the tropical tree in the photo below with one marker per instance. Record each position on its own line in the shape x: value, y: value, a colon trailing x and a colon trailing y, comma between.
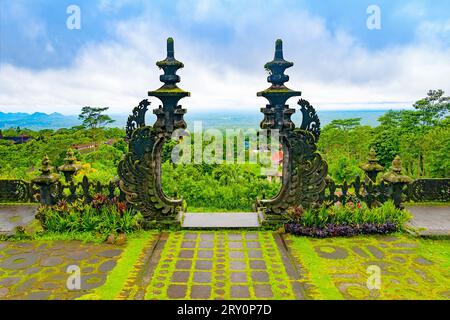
x: 94, y: 118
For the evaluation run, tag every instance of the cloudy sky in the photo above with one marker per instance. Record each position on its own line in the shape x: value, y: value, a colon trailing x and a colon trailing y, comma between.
x: 338, y: 62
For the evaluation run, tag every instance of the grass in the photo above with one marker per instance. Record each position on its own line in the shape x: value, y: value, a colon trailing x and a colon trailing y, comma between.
x: 125, y: 269
x: 317, y: 271
x: 410, y: 268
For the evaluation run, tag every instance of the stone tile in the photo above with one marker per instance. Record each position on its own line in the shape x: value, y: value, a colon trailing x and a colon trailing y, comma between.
x: 203, y: 265
x: 253, y: 244
x: 235, y: 245
x: 110, y: 253
x: 38, y: 295
x: 237, y: 265
x: 186, y: 254
x: 205, y: 254
x: 92, y: 281
x: 176, y: 291
x: 206, y: 244
x: 251, y: 236
x: 202, y: 277
x: 263, y: 291
x: 19, y: 261
x: 188, y: 244
x: 234, y: 236
x: 255, y: 254
x: 200, y: 292
x: 107, y: 266
x: 260, y: 276
x: 180, y: 276
x: 238, y: 277
x: 9, y: 281
x: 236, y: 255
x: 50, y: 261
x: 183, y: 264
x: 257, y: 264
x: 375, y: 251
x: 423, y: 261
x: 239, y: 292
x: 190, y: 236
x: 207, y: 236
x: 331, y: 252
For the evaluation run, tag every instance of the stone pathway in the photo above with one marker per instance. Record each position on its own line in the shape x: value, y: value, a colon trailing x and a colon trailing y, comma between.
x: 228, y: 265
x: 340, y: 268
x: 221, y: 220
x: 220, y: 265
x: 38, y: 270
x: 12, y: 216
x: 431, y: 221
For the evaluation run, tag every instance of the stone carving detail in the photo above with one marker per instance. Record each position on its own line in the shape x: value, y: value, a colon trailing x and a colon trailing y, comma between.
x: 15, y: 191
x: 140, y: 170
x: 137, y: 118
x: 429, y: 190
x: 304, y: 170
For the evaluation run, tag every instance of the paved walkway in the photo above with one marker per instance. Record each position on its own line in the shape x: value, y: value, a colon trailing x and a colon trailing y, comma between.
x: 12, y: 216
x: 228, y: 265
x: 221, y: 220
x: 222, y: 265
x: 431, y: 221
x: 39, y: 270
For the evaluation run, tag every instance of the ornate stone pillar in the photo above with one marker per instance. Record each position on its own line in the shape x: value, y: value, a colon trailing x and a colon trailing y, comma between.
x: 371, y: 168
x: 304, y: 170
x: 70, y: 167
x: 397, y: 181
x: 46, y: 181
x: 140, y: 171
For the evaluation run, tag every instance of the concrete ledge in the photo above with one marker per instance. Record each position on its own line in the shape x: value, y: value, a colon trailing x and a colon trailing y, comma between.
x: 12, y: 216
x: 430, y: 221
x: 221, y: 220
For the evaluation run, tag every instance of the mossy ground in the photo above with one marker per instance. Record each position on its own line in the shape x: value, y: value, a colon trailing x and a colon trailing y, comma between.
x: 228, y: 265
x: 410, y: 268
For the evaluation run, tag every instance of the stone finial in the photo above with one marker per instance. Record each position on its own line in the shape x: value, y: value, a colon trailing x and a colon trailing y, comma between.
x: 394, y: 175
x: 277, y: 115
x: 372, y: 167
x: 170, y: 65
x: 70, y: 167
x: 46, y: 176
x: 45, y: 181
x: 169, y: 116
x: 277, y: 66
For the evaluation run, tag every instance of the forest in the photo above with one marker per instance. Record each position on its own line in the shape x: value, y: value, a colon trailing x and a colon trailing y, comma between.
x: 420, y: 135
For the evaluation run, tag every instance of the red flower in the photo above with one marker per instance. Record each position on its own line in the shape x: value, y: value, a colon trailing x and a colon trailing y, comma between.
x: 121, y: 207
x: 359, y: 205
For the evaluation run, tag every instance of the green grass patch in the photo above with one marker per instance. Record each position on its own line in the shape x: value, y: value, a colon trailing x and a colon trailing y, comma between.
x: 124, y: 269
x: 317, y: 270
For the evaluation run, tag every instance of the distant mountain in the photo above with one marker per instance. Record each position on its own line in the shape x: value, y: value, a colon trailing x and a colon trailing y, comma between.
x: 210, y: 119
x: 37, y: 120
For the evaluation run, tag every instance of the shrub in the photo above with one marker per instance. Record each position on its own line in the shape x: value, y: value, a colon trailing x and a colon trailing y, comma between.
x: 346, y: 220
x: 102, y: 216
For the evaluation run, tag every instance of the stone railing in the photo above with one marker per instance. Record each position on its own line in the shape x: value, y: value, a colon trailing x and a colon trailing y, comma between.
x: 48, y: 188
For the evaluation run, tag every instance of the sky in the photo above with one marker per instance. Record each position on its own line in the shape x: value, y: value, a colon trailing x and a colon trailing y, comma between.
x: 339, y: 63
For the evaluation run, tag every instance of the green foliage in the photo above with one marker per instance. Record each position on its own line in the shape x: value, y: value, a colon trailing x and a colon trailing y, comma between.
x: 214, y: 187
x: 101, y: 217
x: 345, y: 124
x: 351, y: 214
x: 94, y: 118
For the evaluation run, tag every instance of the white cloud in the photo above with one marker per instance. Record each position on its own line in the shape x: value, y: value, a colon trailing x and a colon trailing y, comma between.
x: 331, y: 68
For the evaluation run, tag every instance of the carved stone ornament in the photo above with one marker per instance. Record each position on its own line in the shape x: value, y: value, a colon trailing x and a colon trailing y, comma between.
x: 140, y: 170
x: 304, y: 171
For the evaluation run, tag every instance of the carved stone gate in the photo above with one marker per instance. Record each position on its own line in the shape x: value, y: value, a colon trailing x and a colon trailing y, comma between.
x: 304, y: 171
